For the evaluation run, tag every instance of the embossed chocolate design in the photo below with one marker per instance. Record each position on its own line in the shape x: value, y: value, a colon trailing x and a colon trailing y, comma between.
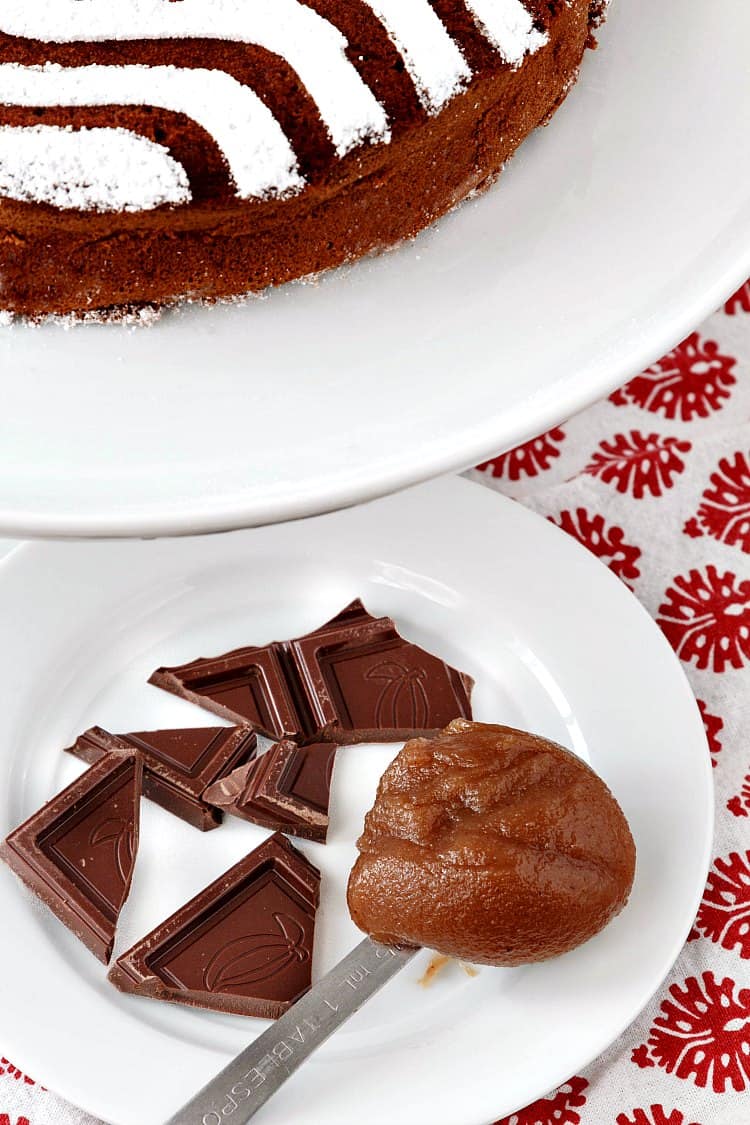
x: 77, y: 852
x: 243, y: 945
x: 287, y: 788
x: 178, y: 764
x: 403, y: 694
x: 355, y: 679
x: 119, y: 833
x: 257, y: 957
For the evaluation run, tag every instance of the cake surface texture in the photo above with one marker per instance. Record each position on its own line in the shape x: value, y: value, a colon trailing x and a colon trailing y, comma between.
x: 154, y: 150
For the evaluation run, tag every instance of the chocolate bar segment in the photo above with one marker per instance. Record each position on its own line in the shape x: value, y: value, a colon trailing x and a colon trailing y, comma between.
x: 178, y: 764
x: 363, y: 682
x: 77, y: 853
x: 243, y: 945
x: 354, y: 679
x: 252, y: 685
x: 287, y: 789
x: 246, y: 686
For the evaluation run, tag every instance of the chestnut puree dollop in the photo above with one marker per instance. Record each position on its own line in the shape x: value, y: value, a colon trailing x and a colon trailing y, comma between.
x: 491, y: 845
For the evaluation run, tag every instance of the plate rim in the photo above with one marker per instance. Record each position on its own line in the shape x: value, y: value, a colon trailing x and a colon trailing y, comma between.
x: 16, y: 558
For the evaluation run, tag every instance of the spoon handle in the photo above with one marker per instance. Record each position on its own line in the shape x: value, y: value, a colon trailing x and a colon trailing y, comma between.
x: 242, y: 1087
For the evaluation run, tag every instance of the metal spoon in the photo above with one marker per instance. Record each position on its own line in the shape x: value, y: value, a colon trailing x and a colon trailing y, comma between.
x: 242, y: 1087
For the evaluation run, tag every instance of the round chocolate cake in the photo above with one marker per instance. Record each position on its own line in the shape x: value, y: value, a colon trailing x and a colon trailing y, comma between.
x: 152, y: 150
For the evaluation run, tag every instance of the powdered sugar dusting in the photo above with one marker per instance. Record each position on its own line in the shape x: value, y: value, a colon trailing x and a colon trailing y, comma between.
x: 509, y: 26
x: 128, y: 316
x: 434, y: 61
x: 310, y: 44
x: 259, y: 155
x: 88, y: 169
x: 257, y: 151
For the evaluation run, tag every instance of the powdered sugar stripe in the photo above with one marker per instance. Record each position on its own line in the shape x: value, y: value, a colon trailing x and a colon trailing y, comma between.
x: 509, y: 27
x: 88, y: 169
x: 311, y: 45
x: 433, y: 59
x: 258, y: 153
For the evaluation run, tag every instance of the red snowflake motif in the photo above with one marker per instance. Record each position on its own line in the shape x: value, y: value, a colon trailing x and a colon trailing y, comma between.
x: 656, y: 1115
x: 740, y: 805
x: 725, y: 508
x: 739, y: 301
x: 5, y: 1120
x: 528, y: 460
x: 12, y: 1071
x: 558, y: 1109
x: 607, y: 543
x: 706, y: 619
x: 690, y: 382
x: 638, y: 463
x: 724, y: 914
x: 703, y: 1033
x: 713, y: 725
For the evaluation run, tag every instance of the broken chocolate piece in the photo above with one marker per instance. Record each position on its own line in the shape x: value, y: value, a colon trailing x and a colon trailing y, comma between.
x: 363, y: 682
x: 77, y: 853
x: 243, y: 945
x: 250, y: 685
x: 287, y: 788
x: 354, y: 679
x: 247, y: 685
x: 178, y: 764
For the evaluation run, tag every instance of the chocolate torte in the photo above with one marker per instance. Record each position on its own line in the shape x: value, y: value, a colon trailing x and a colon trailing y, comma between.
x: 153, y: 150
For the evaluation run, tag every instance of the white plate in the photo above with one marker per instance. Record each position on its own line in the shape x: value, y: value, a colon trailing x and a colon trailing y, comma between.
x: 557, y: 645
x: 608, y: 239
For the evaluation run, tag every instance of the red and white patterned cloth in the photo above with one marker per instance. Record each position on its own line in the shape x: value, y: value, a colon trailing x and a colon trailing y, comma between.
x: 656, y: 482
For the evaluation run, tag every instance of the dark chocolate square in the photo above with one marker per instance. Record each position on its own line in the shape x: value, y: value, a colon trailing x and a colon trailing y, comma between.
x: 179, y: 764
x: 372, y: 681
x: 248, y: 685
x: 242, y: 945
x: 77, y: 852
x: 354, y: 679
x: 287, y: 788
